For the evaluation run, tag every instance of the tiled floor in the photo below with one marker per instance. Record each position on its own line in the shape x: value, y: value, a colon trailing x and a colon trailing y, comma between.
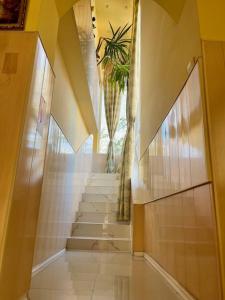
x: 100, y: 276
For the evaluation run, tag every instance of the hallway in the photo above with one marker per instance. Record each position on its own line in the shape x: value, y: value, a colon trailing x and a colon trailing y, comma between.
x: 112, y: 169
x: 100, y: 276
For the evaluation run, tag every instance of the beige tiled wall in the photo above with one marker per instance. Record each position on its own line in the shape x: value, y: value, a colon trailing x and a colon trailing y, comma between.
x: 26, y: 93
x: 180, y: 234
x: 65, y: 176
x: 177, y: 155
x: 180, y: 228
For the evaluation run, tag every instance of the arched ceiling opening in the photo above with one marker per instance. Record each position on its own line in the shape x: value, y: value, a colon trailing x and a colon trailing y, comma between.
x: 173, y: 7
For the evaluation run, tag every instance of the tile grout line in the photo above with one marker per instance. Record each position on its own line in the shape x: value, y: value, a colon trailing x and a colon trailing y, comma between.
x: 92, y: 295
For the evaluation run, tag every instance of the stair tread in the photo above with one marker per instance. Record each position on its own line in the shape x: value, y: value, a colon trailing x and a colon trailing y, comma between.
x: 99, y: 202
x: 99, y: 194
x: 96, y: 212
x: 100, y: 238
x: 101, y: 223
x: 104, y: 174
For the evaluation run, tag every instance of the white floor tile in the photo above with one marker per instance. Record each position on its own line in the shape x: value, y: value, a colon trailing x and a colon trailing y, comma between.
x: 100, y: 276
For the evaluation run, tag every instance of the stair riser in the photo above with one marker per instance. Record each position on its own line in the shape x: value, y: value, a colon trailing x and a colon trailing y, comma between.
x: 96, y: 217
x: 118, y: 246
x: 100, y: 198
x: 106, y: 230
x: 100, y: 207
x: 101, y: 190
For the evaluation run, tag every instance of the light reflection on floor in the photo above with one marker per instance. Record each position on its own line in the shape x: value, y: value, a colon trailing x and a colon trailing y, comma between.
x: 100, y: 276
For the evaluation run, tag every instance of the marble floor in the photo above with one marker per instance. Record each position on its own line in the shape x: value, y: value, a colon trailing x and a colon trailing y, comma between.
x: 100, y: 276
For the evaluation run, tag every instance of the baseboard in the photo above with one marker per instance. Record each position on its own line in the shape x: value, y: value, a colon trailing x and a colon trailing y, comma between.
x: 138, y: 254
x: 47, y: 262
x: 170, y: 280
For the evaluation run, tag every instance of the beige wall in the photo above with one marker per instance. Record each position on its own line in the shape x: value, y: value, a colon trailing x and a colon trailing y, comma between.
x: 180, y: 234
x: 57, y: 200
x: 166, y: 49
x: 177, y: 156
x: 65, y: 177
x: 26, y: 91
x: 180, y: 227
x: 64, y: 106
x: 175, y: 223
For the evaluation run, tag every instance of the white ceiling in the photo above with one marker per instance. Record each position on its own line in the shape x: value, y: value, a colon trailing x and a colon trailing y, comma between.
x: 117, y: 12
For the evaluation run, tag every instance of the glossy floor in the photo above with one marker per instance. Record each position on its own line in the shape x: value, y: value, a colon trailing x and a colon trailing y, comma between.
x: 100, y: 276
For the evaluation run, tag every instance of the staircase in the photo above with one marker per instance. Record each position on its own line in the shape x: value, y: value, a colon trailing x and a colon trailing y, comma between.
x: 96, y: 227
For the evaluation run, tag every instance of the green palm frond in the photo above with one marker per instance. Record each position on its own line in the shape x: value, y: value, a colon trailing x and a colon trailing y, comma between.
x: 120, y: 75
x: 116, y: 54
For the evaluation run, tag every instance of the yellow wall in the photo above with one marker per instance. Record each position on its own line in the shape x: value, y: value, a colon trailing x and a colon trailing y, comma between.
x: 64, y: 107
x: 167, y: 47
x: 64, y: 6
x: 214, y: 69
x: 212, y: 19
x: 33, y: 13
x: 174, y: 8
x: 42, y: 16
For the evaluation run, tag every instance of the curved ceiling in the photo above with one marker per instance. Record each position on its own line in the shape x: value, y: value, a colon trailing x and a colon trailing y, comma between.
x: 174, y: 8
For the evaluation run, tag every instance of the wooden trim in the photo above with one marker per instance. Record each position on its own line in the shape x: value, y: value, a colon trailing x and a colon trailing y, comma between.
x: 47, y: 262
x: 179, y: 289
x: 179, y: 192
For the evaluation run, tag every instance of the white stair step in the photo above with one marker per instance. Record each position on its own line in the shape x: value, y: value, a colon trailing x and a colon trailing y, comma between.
x: 96, y: 217
x: 102, y: 230
x: 104, y: 176
x: 96, y: 226
x: 102, y: 182
x: 98, y: 207
x: 99, y: 244
x: 101, y: 190
x: 100, y: 197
